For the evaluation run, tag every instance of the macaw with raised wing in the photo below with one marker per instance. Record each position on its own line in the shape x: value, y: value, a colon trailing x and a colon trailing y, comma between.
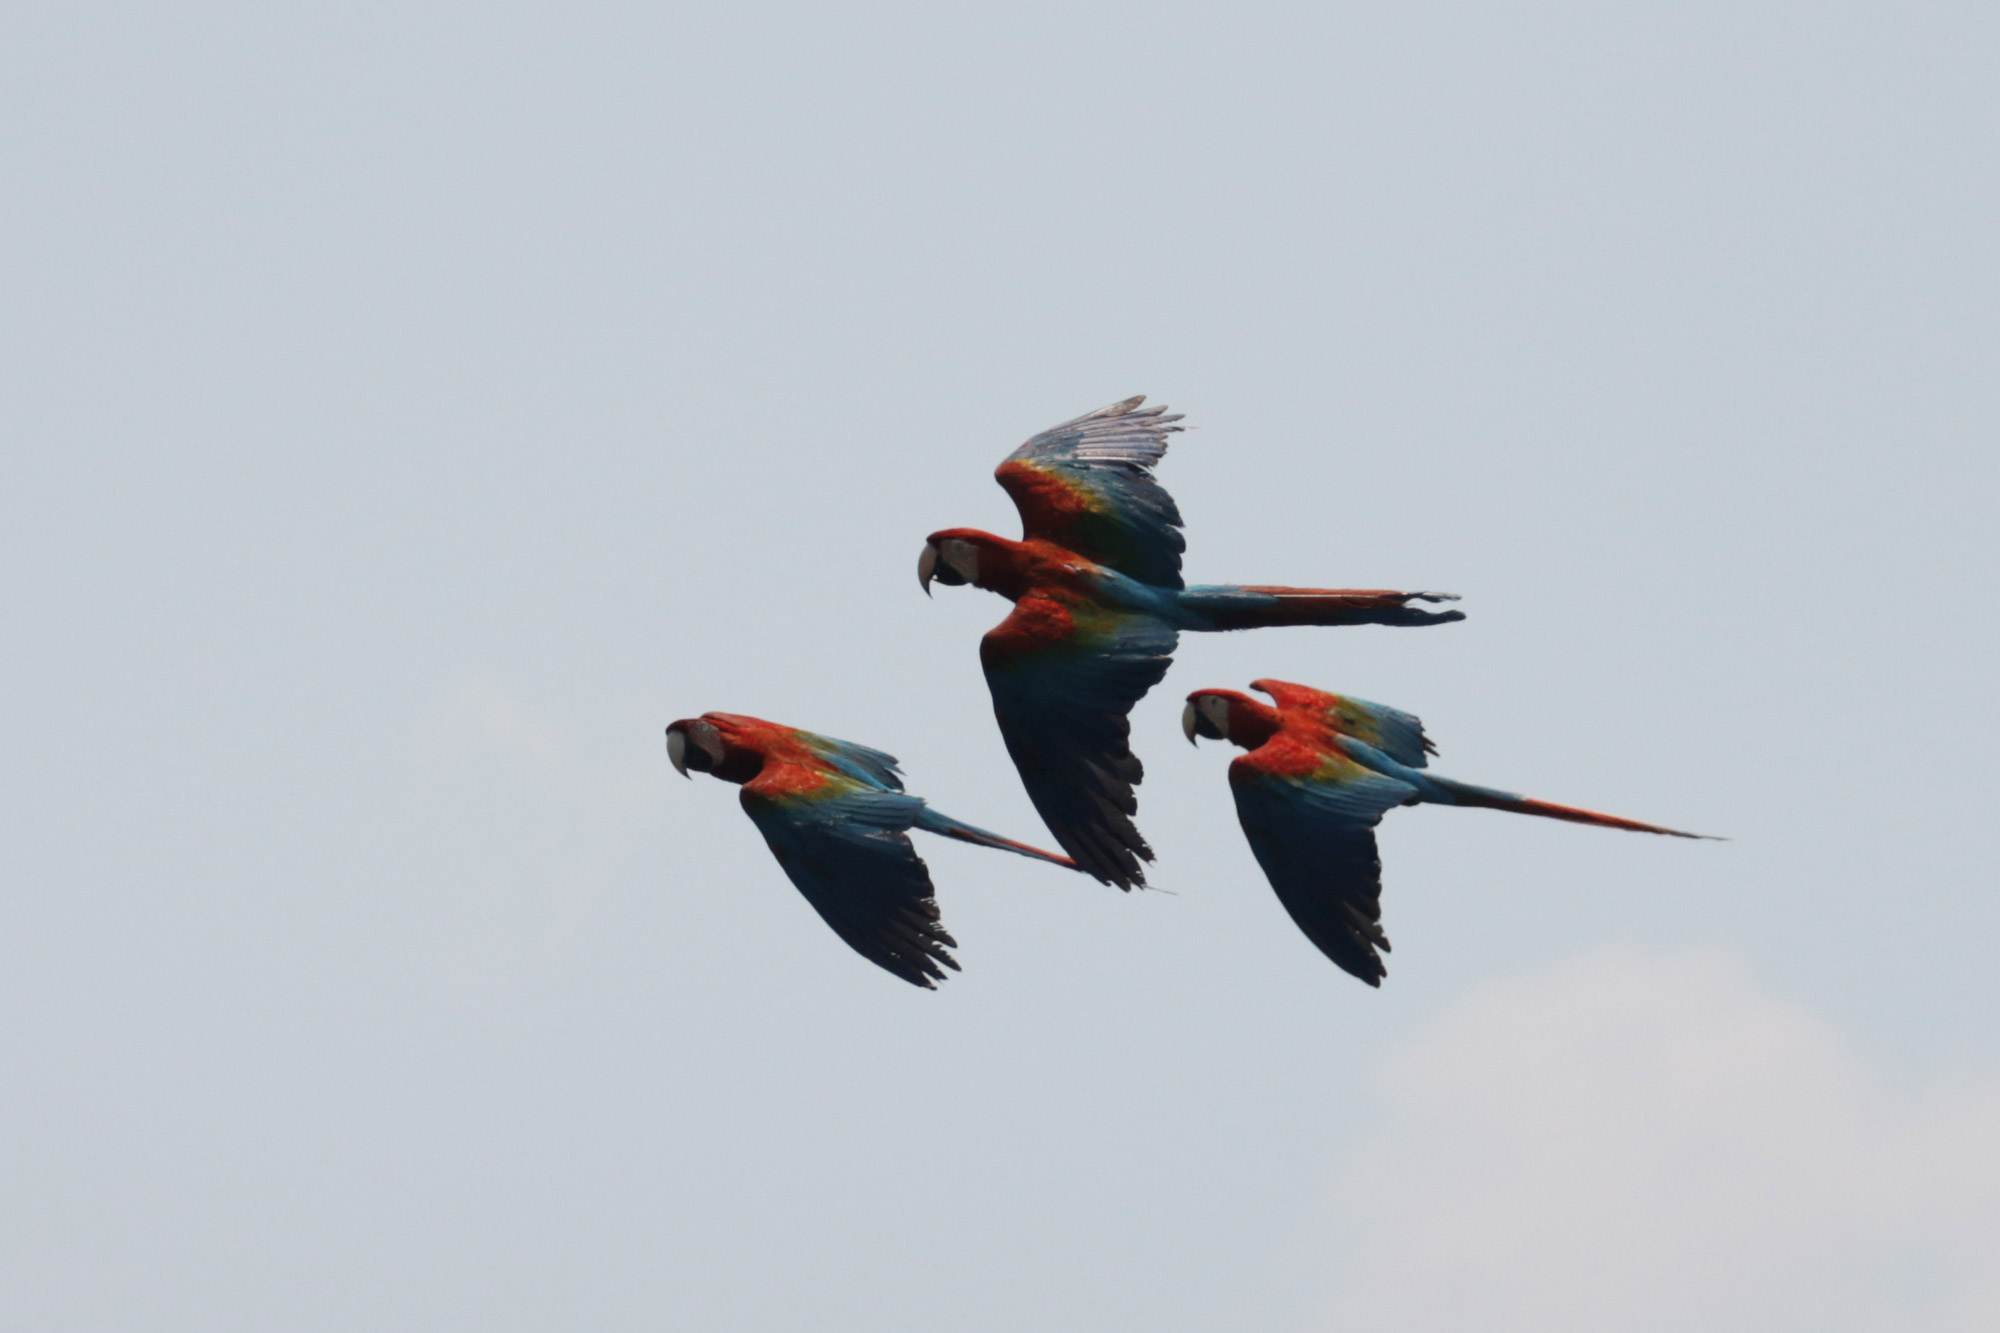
x: 1321, y: 771
x: 1098, y: 609
x: 837, y: 818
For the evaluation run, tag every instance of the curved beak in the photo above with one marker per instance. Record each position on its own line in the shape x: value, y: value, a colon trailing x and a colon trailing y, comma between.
x: 1188, y: 720
x: 927, y: 564
x: 677, y: 746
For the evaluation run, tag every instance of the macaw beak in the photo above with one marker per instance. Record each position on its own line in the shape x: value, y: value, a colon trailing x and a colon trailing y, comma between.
x: 1206, y: 716
x: 927, y: 567
x: 694, y: 745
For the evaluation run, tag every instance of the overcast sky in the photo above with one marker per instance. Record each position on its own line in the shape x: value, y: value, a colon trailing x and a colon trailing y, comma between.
x: 409, y: 409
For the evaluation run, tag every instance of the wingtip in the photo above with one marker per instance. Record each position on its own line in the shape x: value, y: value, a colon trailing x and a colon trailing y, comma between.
x: 1134, y: 406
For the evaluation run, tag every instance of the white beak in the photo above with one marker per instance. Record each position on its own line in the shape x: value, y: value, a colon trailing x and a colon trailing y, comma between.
x: 1188, y: 721
x: 677, y: 745
x: 927, y: 567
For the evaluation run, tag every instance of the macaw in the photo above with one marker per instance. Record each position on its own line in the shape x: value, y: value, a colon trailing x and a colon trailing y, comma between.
x: 837, y: 818
x: 1321, y: 771
x: 1098, y: 609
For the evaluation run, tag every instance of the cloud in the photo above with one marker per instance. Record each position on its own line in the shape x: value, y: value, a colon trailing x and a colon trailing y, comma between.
x: 1639, y: 1144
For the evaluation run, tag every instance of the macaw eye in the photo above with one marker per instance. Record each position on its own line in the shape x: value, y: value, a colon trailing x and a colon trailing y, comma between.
x: 1215, y: 711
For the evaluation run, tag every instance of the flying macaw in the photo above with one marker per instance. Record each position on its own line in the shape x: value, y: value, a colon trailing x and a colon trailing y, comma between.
x: 1098, y: 608
x: 1320, y: 772
x: 837, y: 818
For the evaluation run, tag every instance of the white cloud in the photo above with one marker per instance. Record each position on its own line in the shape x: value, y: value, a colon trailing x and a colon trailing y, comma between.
x: 1637, y: 1143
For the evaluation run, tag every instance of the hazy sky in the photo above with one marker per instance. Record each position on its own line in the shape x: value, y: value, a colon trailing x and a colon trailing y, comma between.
x: 409, y: 409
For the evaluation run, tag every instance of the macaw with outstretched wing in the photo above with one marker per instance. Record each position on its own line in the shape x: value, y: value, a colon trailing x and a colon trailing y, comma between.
x: 837, y: 818
x: 1320, y: 772
x: 1098, y: 609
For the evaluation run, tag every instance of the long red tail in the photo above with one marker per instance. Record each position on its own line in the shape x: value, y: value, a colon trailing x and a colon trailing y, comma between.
x: 936, y: 821
x: 1466, y: 794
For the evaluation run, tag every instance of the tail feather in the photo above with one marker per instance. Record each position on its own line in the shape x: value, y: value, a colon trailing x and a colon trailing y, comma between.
x: 933, y: 821
x: 1226, y: 607
x: 1464, y: 793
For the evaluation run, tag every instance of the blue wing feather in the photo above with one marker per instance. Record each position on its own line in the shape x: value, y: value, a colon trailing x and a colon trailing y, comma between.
x: 1316, y: 843
x: 1395, y: 733
x: 850, y: 856
x: 871, y: 767
x: 1105, y: 503
x: 1062, y: 712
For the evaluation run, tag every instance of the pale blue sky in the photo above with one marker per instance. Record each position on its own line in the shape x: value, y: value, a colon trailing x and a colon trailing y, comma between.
x: 410, y: 409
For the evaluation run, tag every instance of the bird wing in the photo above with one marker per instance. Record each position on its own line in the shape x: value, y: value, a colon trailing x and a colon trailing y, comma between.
x: 870, y: 767
x: 1087, y: 485
x: 1395, y: 733
x: 1061, y: 690
x: 845, y: 845
x: 1313, y: 832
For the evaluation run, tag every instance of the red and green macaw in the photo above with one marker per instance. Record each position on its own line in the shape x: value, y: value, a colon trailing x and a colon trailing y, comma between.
x: 1321, y: 771
x: 837, y: 818
x: 1098, y: 608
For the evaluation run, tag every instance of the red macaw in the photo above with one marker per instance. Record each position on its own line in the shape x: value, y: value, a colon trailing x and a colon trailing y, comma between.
x: 1320, y: 772
x: 837, y: 818
x: 1098, y: 608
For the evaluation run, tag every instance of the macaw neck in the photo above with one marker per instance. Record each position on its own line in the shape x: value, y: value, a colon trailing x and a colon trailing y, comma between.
x: 1252, y: 723
x: 1015, y: 569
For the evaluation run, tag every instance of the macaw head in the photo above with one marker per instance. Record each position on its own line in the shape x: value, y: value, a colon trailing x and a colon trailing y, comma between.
x: 957, y: 556
x: 1228, y: 715
x: 718, y: 743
